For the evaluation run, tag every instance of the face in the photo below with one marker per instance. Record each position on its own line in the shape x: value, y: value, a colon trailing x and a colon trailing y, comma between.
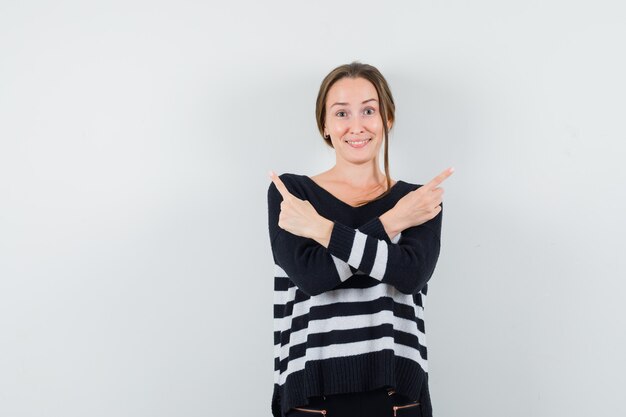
x: 352, y: 114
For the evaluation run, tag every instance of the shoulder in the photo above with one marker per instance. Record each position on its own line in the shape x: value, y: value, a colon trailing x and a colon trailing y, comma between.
x: 408, y: 186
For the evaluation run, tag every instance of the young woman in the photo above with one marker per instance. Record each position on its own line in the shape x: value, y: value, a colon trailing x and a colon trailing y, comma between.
x: 353, y: 252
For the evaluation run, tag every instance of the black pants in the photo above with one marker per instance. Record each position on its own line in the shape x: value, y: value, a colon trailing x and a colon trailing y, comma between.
x: 383, y: 402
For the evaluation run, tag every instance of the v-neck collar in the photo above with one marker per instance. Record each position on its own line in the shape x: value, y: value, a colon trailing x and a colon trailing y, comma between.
x: 394, y: 189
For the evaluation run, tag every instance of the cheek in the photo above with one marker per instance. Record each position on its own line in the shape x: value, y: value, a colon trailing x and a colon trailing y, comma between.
x: 340, y: 129
x: 375, y: 124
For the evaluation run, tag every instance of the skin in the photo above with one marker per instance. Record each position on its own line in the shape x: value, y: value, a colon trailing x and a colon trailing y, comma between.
x: 356, y: 174
x: 356, y: 171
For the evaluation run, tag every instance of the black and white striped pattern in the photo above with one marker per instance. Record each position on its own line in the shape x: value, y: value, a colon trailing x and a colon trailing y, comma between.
x: 362, y: 319
x: 351, y: 314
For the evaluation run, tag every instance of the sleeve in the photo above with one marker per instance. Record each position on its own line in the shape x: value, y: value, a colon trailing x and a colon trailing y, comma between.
x: 375, y: 228
x: 316, y: 269
x: 307, y: 263
x: 407, y: 264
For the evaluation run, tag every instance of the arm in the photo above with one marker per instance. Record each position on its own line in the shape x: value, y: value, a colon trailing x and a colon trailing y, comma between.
x: 407, y: 265
x: 382, y: 227
x: 307, y: 263
x: 316, y: 269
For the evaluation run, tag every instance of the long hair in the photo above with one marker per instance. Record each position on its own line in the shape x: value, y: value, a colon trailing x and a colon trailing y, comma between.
x: 387, y: 106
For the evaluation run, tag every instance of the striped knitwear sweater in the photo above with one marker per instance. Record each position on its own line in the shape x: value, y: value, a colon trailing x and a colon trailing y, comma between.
x: 350, y: 317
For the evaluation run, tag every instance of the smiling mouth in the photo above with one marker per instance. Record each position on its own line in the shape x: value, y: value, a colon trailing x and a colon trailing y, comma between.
x: 358, y: 143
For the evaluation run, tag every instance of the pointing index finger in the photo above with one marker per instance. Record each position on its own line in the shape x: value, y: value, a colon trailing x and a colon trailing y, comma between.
x: 282, y: 189
x: 439, y: 178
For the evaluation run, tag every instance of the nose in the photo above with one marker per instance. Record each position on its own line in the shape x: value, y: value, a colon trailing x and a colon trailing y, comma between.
x: 356, y: 127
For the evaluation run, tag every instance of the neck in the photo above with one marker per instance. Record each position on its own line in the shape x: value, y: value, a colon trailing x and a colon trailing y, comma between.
x: 359, y: 176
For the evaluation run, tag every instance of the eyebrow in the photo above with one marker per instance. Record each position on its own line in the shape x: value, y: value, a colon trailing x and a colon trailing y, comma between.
x: 345, y: 104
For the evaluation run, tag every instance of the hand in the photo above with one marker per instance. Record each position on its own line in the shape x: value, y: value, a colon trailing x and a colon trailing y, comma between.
x: 421, y: 205
x: 300, y: 217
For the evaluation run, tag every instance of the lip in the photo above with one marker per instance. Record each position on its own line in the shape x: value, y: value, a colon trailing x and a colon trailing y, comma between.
x: 358, y: 146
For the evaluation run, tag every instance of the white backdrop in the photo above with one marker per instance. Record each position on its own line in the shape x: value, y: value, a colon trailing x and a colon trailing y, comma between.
x: 135, y: 140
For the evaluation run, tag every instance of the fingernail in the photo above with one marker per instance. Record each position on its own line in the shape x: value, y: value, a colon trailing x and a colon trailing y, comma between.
x: 271, y: 173
x: 451, y: 169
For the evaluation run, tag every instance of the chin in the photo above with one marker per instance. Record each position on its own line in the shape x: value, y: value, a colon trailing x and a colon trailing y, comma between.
x: 361, y: 160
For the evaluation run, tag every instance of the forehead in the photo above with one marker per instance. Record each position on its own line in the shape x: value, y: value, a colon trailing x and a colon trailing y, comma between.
x: 351, y: 90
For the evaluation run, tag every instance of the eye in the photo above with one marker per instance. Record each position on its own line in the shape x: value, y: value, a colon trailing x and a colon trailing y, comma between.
x: 337, y: 114
x: 370, y: 108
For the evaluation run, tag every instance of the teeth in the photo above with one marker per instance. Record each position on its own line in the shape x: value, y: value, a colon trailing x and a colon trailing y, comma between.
x: 357, y: 141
